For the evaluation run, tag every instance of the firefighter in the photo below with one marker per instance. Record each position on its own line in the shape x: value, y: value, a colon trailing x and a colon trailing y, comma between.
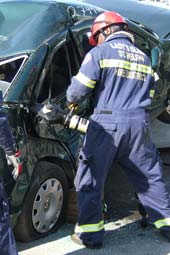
x: 120, y: 79
x: 7, y: 241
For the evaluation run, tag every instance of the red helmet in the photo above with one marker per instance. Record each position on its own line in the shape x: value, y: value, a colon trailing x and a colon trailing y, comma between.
x: 103, y: 20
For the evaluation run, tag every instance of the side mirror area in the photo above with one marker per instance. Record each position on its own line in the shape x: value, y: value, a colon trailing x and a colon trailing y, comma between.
x: 155, y: 58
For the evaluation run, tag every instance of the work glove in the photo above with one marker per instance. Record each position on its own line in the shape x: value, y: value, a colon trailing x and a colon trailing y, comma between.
x: 72, y: 106
x: 15, y: 160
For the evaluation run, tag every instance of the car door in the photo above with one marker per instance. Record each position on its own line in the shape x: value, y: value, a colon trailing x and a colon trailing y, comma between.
x: 64, y: 63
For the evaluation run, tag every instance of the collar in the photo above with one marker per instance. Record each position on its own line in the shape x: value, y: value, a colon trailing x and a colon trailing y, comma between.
x: 121, y: 34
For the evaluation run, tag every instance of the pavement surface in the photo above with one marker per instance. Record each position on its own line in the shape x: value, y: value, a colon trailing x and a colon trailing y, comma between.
x: 124, y: 234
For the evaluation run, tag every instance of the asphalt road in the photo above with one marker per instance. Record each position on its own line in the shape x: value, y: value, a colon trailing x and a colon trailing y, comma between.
x: 124, y: 234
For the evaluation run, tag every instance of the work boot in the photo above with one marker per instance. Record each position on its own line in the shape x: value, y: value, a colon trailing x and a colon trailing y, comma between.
x: 88, y: 244
x: 165, y: 233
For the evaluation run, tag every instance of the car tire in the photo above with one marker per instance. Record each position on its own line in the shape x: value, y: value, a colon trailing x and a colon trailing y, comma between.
x: 165, y: 116
x: 44, y: 206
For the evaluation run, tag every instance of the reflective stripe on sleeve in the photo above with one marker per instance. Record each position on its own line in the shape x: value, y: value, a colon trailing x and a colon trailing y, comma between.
x: 106, y: 63
x: 85, y: 80
x: 152, y: 92
x: 89, y: 227
x: 162, y: 223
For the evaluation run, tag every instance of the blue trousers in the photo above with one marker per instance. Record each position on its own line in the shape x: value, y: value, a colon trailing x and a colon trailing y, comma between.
x: 7, y: 241
x: 125, y: 137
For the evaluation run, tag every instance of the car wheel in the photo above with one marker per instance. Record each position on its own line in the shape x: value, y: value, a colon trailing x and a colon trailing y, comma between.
x: 165, y: 115
x: 44, y: 206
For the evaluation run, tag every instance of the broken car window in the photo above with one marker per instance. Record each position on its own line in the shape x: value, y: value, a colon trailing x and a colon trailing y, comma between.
x: 8, y: 70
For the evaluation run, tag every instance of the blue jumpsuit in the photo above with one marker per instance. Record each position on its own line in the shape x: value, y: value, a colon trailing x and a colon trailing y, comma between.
x: 120, y: 80
x: 7, y: 241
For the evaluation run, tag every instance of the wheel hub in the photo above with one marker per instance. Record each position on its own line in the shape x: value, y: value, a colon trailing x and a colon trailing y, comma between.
x: 46, y: 204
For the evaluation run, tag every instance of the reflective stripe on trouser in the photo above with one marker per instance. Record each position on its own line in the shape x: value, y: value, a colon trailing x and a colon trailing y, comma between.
x: 162, y: 223
x: 7, y: 240
x: 127, y: 140
x: 90, y: 227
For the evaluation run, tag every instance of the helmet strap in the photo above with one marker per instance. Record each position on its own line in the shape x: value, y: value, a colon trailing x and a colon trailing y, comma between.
x: 104, y: 34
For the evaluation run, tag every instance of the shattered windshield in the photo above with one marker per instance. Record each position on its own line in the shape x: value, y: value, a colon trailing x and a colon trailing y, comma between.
x: 8, y: 71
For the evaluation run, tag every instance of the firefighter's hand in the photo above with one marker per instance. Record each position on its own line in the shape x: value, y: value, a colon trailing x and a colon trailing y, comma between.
x: 72, y: 106
x: 16, y: 161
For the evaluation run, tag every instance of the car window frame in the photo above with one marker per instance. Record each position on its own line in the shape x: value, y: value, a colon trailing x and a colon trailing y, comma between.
x: 46, y: 67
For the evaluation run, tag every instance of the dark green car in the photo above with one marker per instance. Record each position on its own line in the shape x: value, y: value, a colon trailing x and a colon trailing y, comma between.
x: 42, y: 44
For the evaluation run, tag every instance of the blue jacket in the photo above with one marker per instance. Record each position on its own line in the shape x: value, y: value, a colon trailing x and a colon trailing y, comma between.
x: 6, y: 139
x: 117, y: 73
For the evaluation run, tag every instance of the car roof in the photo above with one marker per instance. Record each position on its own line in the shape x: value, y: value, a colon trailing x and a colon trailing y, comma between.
x: 153, y: 16
x: 24, y: 25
